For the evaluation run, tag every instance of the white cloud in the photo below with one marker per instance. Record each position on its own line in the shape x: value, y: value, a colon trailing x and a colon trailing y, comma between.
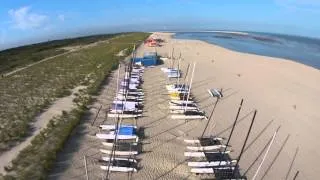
x: 23, y: 18
x: 61, y: 17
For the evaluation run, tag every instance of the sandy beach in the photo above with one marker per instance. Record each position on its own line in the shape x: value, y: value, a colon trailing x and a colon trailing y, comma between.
x: 284, y: 92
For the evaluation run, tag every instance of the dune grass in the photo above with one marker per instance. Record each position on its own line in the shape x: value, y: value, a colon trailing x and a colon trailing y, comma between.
x: 42, y: 84
x: 21, y: 56
x: 28, y: 92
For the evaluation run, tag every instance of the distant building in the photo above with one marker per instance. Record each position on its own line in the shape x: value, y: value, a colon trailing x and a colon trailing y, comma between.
x: 151, y: 42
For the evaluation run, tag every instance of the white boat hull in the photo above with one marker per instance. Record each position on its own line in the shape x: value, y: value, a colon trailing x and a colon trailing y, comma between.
x: 125, y: 102
x: 112, y: 136
x: 176, y: 116
x: 181, y: 111
x: 119, y: 153
x: 110, y: 144
x: 140, y: 94
x: 211, y: 163
x: 120, y: 111
x: 202, y: 154
x: 113, y: 126
x: 215, y: 93
x: 197, y: 141
x: 119, y: 159
x: 121, y: 95
x: 177, y: 111
x: 208, y: 170
x: 119, y: 169
x: 182, y: 101
x: 177, y: 107
x: 124, y: 115
x: 137, y: 99
x: 205, y: 148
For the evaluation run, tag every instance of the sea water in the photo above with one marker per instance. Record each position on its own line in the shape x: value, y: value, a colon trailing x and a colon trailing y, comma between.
x: 304, y: 50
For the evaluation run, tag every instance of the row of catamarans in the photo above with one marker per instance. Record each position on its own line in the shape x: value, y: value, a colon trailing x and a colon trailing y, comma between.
x: 209, y: 155
x: 120, y: 140
x: 206, y: 155
x: 182, y: 105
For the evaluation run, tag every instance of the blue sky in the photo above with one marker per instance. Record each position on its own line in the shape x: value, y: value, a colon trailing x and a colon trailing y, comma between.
x: 29, y: 21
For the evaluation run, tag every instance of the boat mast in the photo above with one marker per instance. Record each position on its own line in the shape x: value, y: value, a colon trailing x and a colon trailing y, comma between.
x: 179, y: 69
x: 185, y: 82
x: 296, y: 175
x: 172, y: 63
x: 116, y: 123
x: 245, y: 143
x: 235, y: 123
x: 265, y: 155
x: 233, y: 126
x: 188, y: 96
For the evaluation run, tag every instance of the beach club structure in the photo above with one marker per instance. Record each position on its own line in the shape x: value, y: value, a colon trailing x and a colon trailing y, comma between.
x: 148, y: 59
x: 151, y: 42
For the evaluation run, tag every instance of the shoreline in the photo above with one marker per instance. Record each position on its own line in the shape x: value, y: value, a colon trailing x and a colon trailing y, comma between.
x: 272, y: 57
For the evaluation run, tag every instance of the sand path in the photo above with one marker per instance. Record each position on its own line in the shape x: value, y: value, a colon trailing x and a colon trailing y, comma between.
x: 70, y: 162
x: 41, y: 121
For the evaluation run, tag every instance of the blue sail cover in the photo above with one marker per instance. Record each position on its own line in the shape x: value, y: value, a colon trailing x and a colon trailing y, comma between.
x: 127, y: 131
x: 117, y: 106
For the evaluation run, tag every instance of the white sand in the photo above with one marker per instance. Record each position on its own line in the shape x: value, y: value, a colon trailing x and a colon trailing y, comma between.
x: 282, y: 90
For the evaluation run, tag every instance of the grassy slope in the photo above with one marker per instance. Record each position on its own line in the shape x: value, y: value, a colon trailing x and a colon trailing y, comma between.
x: 21, y: 56
x: 36, y: 160
x: 26, y: 93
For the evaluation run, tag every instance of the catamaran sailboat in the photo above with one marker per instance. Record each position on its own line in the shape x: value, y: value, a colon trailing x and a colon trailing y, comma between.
x: 189, y: 115
x: 123, y: 133
x: 113, y: 126
x: 181, y: 111
x: 211, y: 163
x: 211, y: 170
x: 118, y: 166
x: 206, y: 148
x: 106, y: 158
x: 203, y: 154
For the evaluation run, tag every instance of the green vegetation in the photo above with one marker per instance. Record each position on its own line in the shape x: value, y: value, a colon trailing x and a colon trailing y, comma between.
x: 88, y: 67
x: 36, y: 160
x: 21, y: 56
x: 26, y: 93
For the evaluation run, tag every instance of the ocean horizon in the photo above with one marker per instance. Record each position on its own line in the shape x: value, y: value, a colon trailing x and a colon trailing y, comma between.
x: 304, y: 50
